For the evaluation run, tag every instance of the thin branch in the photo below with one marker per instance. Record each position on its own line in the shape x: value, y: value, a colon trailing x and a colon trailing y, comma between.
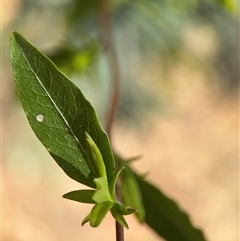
x: 107, y: 45
x: 119, y: 232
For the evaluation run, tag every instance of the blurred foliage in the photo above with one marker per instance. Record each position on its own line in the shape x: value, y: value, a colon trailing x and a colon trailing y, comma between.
x: 141, y: 29
x: 221, y: 15
x: 78, y: 59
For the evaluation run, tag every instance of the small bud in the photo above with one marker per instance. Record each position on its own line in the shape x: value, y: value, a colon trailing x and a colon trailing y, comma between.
x: 95, y: 158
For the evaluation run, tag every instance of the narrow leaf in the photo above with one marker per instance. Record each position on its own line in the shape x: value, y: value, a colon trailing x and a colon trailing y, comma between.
x: 165, y: 217
x: 57, y: 111
x: 113, y: 182
x: 86, y: 219
x: 95, y: 158
x: 131, y: 193
x: 98, y: 213
x: 119, y: 217
x: 83, y: 196
x: 123, y: 210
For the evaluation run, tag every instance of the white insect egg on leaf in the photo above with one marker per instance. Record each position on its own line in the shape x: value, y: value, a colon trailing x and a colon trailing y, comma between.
x: 40, y: 118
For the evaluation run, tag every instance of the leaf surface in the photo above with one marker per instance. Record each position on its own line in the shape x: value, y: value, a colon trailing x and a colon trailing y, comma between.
x: 165, y: 217
x: 82, y: 196
x: 102, y: 193
x: 131, y: 193
x: 57, y: 111
x: 98, y: 213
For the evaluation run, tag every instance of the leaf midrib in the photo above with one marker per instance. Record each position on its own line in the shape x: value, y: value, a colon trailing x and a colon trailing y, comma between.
x: 52, y: 101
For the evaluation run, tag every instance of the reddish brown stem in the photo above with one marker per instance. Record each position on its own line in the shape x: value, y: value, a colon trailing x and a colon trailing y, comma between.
x: 108, y: 48
x: 107, y: 45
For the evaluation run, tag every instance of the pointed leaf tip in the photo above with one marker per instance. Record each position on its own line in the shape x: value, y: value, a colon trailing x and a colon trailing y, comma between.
x: 83, y: 196
x: 66, y: 113
x: 86, y: 219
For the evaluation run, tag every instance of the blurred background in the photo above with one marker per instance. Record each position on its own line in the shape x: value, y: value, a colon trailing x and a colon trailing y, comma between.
x: 179, y: 67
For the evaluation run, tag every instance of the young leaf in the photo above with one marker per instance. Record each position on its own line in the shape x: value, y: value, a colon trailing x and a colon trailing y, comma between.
x: 119, y: 217
x: 165, y: 217
x: 95, y: 158
x: 113, y: 181
x: 131, y: 193
x: 102, y: 193
x: 58, y: 112
x: 86, y: 219
x: 98, y: 213
x: 123, y: 210
x: 82, y: 196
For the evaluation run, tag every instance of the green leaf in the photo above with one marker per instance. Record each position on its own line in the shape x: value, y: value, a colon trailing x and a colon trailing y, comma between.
x: 119, y: 217
x: 113, y: 182
x: 165, y: 217
x: 83, y: 196
x: 102, y: 193
x: 58, y: 112
x: 131, y: 193
x: 123, y: 210
x: 95, y: 158
x: 86, y: 219
x: 98, y: 213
